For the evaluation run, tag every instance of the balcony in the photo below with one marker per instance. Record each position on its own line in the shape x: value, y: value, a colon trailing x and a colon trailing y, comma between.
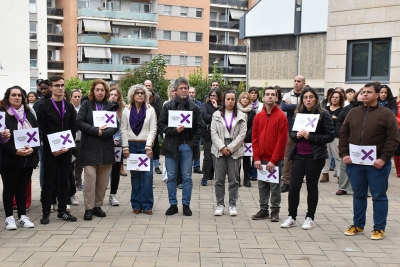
x: 118, y: 41
x: 224, y: 24
x: 106, y: 67
x: 242, y: 3
x: 112, y: 14
x: 56, y: 12
x: 55, y: 65
x: 55, y: 38
x: 230, y: 70
x: 224, y: 47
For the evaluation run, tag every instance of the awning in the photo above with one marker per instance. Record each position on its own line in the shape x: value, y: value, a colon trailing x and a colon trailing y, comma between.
x: 237, y: 60
x: 97, y: 25
x: 97, y: 52
x: 137, y: 24
x: 236, y: 14
x: 97, y: 76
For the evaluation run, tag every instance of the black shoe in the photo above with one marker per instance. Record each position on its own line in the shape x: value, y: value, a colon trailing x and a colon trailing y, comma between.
x: 88, y: 215
x: 284, y: 188
x: 66, y: 216
x: 197, y: 171
x: 254, y: 179
x: 98, y: 212
x: 204, y: 182
x: 247, y: 183
x: 45, y: 218
x: 158, y: 171
x: 261, y: 215
x: 186, y: 210
x: 172, y: 210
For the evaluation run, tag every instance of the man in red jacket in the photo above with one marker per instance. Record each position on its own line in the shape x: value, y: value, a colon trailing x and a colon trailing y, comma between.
x: 269, y: 137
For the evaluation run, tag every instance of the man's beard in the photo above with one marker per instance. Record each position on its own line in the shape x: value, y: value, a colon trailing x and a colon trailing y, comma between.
x: 191, y: 98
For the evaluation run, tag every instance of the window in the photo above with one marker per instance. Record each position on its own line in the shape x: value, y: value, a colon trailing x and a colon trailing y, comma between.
x: 182, y: 61
x: 273, y: 43
x: 184, y: 36
x: 145, y: 34
x: 33, y: 58
x: 32, y: 85
x: 231, y: 40
x: 167, y: 35
x: 49, y: 3
x: 144, y: 8
x: 167, y: 60
x: 184, y: 11
x: 368, y: 60
x: 32, y: 30
x: 199, y: 12
x: 83, y: 4
x: 32, y: 6
x: 197, y: 61
x: 167, y: 10
x: 199, y: 37
x: 145, y: 58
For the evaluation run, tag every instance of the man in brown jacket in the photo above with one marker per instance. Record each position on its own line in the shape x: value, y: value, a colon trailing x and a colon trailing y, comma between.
x: 373, y: 129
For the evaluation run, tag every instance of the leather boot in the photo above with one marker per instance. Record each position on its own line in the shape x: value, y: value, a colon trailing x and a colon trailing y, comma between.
x: 397, y: 165
x: 246, y: 181
x: 325, y: 178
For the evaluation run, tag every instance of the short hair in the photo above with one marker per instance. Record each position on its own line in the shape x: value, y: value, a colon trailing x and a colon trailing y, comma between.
x: 350, y: 90
x: 179, y: 81
x: 75, y: 91
x: 54, y: 79
x: 106, y: 88
x: 191, y: 87
x: 376, y: 85
x: 38, y: 81
x: 214, y: 81
x: 253, y: 89
x: 46, y: 82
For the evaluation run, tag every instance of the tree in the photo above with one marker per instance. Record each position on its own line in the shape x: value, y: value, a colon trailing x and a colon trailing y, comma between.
x: 75, y: 83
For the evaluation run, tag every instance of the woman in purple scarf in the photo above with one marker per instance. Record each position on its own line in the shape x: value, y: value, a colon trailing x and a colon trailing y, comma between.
x: 138, y: 131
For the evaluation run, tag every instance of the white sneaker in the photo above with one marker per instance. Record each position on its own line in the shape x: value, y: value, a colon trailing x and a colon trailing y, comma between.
x: 52, y: 208
x: 308, y: 224
x: 219, y: 211
x: 74, y: 201
x: 232, y: 210
x: 68, y: 208
x: 25, y: 222
x: 113, y: 200
x: 289, y: 222
x: 10, y: 223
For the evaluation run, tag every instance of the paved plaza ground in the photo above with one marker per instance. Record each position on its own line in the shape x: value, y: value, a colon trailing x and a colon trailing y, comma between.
x: 126, y: 239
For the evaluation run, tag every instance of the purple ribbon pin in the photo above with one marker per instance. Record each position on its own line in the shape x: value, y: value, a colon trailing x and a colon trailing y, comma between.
x: 272, y: 174
x: 110, y: 118
x: 31, y: 136
x: 310, y: 122
x: 185, y: 118
x: 247, y: 148
x: 66, y: 139
x: 143, y: 162
x: 367, y: 154
x: 116, y: 154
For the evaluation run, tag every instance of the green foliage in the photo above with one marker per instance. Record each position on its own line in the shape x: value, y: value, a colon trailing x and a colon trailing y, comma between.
x: 75, y: 82
x: 199, y: 82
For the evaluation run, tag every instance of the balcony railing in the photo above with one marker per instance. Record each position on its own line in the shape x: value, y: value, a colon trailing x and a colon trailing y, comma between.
x: 96, y: 39
x: 242, y: 3
x: 55, y: 38
x: 52, y: 11
x: 224, y: 24
x: 230, y: 70
x: 106, y: 67
x: 55, y: 65
x: 113, y: 14
x: 225, y: 47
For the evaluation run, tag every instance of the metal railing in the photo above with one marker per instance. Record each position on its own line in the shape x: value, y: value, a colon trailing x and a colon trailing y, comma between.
x: 55, y: 65
x: 52, y: 11
x: 229, y: 70
x: 224, y: 24
x: 242, y: 3
x: 55, y: 38
x: 225, y: 47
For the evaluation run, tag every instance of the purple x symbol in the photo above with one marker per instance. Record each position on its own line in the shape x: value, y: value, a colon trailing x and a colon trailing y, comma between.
x: 272, y: 174
x: 247, y: 148
x: 0, y: 119
x: 66, y: 139
x: 143, y: 162
x: 367, y: 154
x: 31, y: 137
x: 311, y: 122
x: 116, y: 154
x: 185, y: 118
x: 110, y: 118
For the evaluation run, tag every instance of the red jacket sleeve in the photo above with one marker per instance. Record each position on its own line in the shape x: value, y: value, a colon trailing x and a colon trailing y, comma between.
x: 254, y: 138
x: 279, y: 150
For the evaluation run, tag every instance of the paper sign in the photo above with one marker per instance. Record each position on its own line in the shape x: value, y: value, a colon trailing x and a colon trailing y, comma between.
x: 363, y: 155
x: 2, y: 121
x: 101, y: 118
x: 26, y: 137
x: 138, y: 162
x: 180, y: 117
x: 306, y: 122
x: 248, y: 149
x: 266, y: 176
x: 117, y: 153
x: 61, y: 139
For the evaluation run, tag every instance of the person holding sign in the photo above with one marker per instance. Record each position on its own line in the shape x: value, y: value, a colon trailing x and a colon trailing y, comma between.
x: 269, y: 138
x: 16, y: 164
x: 228, y: 130
x: 367, y: 141
x: 308, y: 157
x: 138, y: 132
x: 97, y: 148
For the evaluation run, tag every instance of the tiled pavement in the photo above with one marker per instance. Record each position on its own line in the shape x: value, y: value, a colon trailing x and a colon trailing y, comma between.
x: 125, y: 239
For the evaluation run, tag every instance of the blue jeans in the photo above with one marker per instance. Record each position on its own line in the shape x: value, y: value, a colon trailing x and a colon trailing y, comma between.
x: 196, y: 161
x: 362, y: 177
x: 141, y: 181
x: 171, y: 164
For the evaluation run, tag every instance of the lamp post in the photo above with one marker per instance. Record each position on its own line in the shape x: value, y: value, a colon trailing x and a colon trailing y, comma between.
x: 184, y: 63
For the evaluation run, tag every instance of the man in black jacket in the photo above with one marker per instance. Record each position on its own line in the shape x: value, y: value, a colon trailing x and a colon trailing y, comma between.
x: 180, y: 146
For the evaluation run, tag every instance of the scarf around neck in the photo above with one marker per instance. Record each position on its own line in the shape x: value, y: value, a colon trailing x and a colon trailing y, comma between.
x: 136, y: 119
x: 181, y: 102
x: 246, y: 109
x: 23, y: 123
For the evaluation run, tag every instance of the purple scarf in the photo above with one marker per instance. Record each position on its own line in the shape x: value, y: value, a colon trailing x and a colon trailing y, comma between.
x: 136, y: 119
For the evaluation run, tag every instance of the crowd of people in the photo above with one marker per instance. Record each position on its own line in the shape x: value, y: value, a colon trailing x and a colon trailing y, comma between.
x: 346, y: 124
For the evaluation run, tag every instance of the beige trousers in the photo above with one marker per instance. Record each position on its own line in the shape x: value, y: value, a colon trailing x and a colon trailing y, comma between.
x: 95, y: 184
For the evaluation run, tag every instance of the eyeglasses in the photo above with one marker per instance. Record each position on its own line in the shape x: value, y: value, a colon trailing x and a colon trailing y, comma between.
x: 139, y: 93
x: 58, y: 85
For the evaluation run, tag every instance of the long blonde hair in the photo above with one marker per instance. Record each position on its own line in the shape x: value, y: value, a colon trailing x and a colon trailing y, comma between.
x: 120, y: 101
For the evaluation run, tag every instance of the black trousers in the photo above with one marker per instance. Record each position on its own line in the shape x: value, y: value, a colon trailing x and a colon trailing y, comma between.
x: 115, y: 177
x: 304, y: 165
x: 246, y: 165
x: 156, y: 149
x: 15, y: 182
x: 56, y: 169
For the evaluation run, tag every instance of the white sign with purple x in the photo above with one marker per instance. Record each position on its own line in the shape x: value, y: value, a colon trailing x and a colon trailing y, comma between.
x: 101, y: 118
x: 60, y: 140
x: 180, y: 117
x: 138, y: 162
x: 2, y: 121
x: 26, y: 137
x: 363, y: 155
x: 117, y: 153
x: 248, y: 149
x: 269, y: 177
x: 306, y: 122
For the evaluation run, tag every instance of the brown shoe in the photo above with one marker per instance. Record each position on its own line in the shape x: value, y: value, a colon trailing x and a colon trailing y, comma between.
x: 341, y: 192
x: 149, y: 212
x: 325, y: 178
x: 122, y: 172
x: 137, y: 211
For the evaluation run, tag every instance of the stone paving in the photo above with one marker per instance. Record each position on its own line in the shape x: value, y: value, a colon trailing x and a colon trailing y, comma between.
x: 126, y: 239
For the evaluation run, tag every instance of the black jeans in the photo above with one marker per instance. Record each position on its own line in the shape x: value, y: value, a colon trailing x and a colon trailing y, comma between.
x: 115, y: 176
x: 246, y: 165
x: 311, y: 168
x: 15, y: 182
x: 207, y: 159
